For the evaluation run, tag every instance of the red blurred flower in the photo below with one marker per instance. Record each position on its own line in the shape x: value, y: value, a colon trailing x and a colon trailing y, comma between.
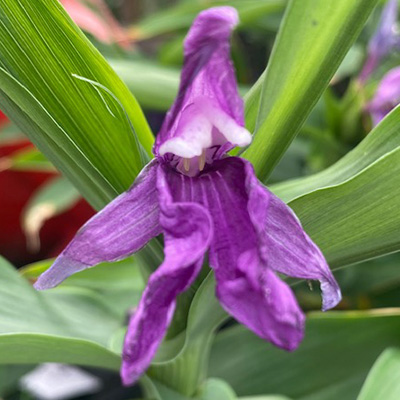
x: 94, y: 17
x: 3, y: 119
x: 16, y: 188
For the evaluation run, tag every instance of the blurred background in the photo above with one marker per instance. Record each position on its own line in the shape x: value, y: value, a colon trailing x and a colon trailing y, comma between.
x: 40, y: 211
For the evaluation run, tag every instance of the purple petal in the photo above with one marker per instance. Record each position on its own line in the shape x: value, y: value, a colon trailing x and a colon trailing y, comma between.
x: 187, y: 234
x: 120, y: 229
x: 284, y: 246
x: 384, y: 39
x: 246, y: 288
x: 208, y: 111
x: 387, y: 96
x: 266, y: 306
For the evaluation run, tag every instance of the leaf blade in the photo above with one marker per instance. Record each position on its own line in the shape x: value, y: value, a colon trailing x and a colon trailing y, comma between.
x: 331, y: 363
x: 312, y: 41
x: 40, y: 50
x: 383, y: 380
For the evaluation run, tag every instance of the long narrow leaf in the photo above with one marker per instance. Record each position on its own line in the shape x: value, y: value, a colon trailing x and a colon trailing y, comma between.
x: 314, y: 38
x: 379, y: 142
x: 79, y: 127
x: 332, y: 362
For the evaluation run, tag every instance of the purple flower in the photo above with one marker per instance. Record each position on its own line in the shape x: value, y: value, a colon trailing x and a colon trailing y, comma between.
x: 203, y: 200
x: 387, y: 96
x: 383, y: 41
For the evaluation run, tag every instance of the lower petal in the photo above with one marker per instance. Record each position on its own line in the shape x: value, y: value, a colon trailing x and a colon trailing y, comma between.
x: 284, y: 245
x: 266, y: 305
x: 187, y: 233
x: 246, y: 287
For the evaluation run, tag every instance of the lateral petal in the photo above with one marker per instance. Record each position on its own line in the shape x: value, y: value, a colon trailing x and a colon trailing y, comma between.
x: 187, y: 234
x: 284, y: 245
x: 120, y: 229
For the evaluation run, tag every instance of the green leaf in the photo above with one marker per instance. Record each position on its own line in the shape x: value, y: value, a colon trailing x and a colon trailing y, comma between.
x: 383, y: 382
x: 67, y: 325
x: 350, y: 209
x: 28, y: 160
x: 51, y: 199
x: 157, y: 391
x: 20, y: 348
x: 81, y: 128
x: 272, y: 397
x: 217, y: 389
x: 314, y: 37
x: 154, y: 86
x: 359, y: 218
x: 371, y: 278
x: 211, y: 390
x: 119, y: 283
x: 330, y: 364
x: 10, y: 134
x: 383, y: 139
x: 9, y: 377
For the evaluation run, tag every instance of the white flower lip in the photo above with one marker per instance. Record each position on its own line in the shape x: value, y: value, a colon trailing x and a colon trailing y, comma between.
x: 197, y: 135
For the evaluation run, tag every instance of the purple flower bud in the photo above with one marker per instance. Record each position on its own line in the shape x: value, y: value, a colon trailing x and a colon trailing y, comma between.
x: 387, y: 96
x: 383, y: 41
